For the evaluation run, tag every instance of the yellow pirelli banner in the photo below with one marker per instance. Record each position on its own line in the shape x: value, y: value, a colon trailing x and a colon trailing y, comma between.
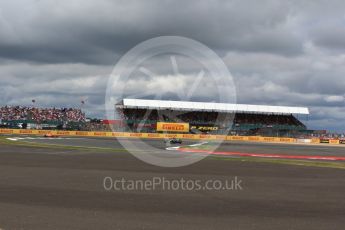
x: 172, y: 127
x: 315, y: 141
x: 334, y: 142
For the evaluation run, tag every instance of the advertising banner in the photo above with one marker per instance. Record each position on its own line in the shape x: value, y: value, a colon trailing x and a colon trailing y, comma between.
x: 6, y: 131
x: 135, y: 134
x: 205, y: 137
x: 82, y: 133
x: 189, y: 136
x: 268, y: 139
x: 66, y: 133
x: 172, y: 127
x: 100, y: 134
x: 254, y: 138
x: 238, y: 138
x: 287, y: 140
x: 315, y: 141
x: 118, y: 134
x: 26, y: 131
x: 154, y: 135
x: 204, y: 128
x: 220, y: 137
x: 43, y: 132
x: 334, y: 142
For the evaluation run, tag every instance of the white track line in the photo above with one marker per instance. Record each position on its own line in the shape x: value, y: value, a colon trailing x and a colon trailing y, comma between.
x: 12, y: 139
x: 39, y: 138
x: 175, y: 148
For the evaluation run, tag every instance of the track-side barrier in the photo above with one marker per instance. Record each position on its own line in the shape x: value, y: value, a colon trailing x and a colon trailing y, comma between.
x: 164, y: 136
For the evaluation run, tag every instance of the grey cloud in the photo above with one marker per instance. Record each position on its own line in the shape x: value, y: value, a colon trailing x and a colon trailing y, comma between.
x: 330, y: 36
x: 54, y: 85
x: 63, y: 32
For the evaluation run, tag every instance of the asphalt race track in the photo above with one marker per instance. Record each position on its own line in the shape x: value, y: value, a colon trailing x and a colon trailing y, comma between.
x: 62, y: 188
x: 291, y: 149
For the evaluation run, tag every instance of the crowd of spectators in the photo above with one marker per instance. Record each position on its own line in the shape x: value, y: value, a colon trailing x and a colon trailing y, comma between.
x: 16, y: 113
x: 96, y: 125
x: 135, y: 115
x: 267, y: 119
x: 326, y: 136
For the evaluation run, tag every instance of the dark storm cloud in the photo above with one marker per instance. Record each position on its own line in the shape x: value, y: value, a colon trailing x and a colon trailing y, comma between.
x: 64, y: 32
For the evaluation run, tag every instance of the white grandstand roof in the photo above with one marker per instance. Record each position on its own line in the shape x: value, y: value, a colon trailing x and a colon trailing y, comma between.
x: 209, y: 106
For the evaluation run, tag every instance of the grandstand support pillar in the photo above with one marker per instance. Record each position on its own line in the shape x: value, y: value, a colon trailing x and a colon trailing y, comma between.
x: 307, y: 122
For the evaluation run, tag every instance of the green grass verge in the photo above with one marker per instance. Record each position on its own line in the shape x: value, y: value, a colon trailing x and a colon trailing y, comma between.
x: 3, y: 140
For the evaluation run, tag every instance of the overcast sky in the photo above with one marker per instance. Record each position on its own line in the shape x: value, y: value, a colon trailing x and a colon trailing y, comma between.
x: 279, y: 52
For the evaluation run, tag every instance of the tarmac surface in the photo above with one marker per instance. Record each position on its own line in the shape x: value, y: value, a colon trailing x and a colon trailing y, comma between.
x: 234, y: 146
x: 63, y: 188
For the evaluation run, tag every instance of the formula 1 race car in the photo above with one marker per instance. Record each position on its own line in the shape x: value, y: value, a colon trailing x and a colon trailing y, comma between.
x: 49, y: 135
x: 174, y: 141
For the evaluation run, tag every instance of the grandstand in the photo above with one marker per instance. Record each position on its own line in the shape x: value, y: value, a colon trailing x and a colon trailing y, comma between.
x: 137, y: 115
x: 238, y: 119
